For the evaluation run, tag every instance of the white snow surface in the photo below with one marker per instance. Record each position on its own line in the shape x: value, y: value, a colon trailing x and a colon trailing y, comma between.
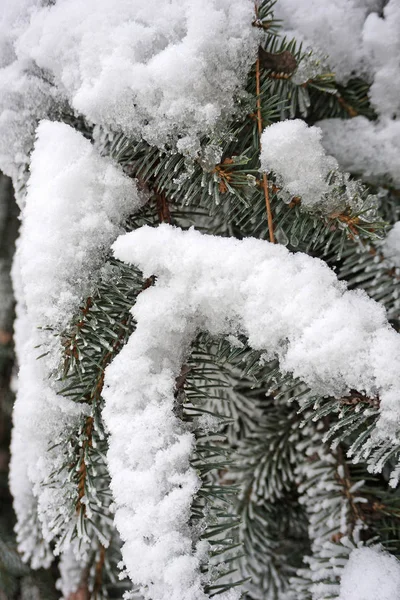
x: 40, y: 418
x: 160, y: 70
x: 25, y: 99
x: 336, y: 28
x: 75, y: 206
x: 290, y: 305
x: 25, y: 95
x: 381, y: 39
x: 370, y: 574
x: 367, y: 148
x: 362, y: 39
x: 167, y: 71
x: 294, y: 152
x: 391, y: 245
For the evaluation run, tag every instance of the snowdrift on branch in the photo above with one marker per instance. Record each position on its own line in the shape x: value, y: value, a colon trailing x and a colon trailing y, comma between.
x: 159, y: 70
x: 291, y: 306
x: 75, y: 206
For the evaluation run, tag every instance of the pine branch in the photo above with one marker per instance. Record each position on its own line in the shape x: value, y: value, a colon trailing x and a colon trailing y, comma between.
x: 260, y: 130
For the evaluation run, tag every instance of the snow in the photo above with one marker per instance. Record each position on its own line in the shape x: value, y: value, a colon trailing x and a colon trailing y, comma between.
x: 391, y: 245
x: 370, y: 574
x: 368, y: 148
x: 294, y: 152
x: 169, y: 72
x: 164, y: 71
x: 40, y: 418
x: 332, y: 529
x: 362, y: 39
x: 152, y: 482
x: 25, y: 99
x: 14, y: 18
x: 76, y: 204
x: 381, y: 38
x: 289, y: 305
x: 336, y: 28
x: 25, y: 96
x: 303, y: 169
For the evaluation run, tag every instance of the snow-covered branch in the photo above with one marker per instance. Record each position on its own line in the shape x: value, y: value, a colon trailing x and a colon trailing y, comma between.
x: 290, y: 305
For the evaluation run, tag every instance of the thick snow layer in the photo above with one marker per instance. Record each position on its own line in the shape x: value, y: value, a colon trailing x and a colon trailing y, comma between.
x: 294, y: 152
x: 14, y: 18
x: 160, y: 70
x: 302, y: 167
x: 336, y: 28
x: 290, y: 305
x: 370, y: 574
x: 25, y: 96
x: 75, y: 205
x: 381, y: 38
x: 169, y: 72
x: 362, y: 39
x: 25, y: 99
x: 41, y: 418
x: 391, y: 245
x: 373, y: 149
x: 368, y: 148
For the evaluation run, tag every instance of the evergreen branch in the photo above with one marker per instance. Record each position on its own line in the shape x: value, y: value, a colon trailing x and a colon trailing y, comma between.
x: 365, y: 267
x: 260, y: 130
x: 98, y: 573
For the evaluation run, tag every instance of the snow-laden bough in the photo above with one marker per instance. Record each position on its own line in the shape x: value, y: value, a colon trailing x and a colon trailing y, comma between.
x: 291, y: 306
x: 166, y: 71
x: 55, y: 268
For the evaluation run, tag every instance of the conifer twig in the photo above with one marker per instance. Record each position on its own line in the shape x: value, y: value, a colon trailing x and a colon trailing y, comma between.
x: 260, y: 128
x: 87, y: 443
x: 344, y: 479
x: 99, y: 573
x: 347, y: 107
x: 164, y: 214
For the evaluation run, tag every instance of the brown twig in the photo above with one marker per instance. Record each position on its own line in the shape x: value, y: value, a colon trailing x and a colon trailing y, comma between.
x: 98, y: 577
x: 82, y: 593
x: 87, y: 443
x: 355, y: 398
x: 347, y: 107
x: 260, y: 129
x: 5, y: 337
x: 262, y: 24
x: 224, y: 175
x: 356, y: 514
x: 162, y: 208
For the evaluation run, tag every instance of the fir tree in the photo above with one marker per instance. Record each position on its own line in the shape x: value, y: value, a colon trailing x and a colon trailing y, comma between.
x: 209, y: 411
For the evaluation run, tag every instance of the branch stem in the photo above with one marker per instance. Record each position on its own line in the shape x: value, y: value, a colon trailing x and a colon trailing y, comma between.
x: 260, y: 130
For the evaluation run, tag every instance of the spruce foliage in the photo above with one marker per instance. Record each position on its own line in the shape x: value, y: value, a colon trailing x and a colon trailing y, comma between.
x: 281, y: 503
